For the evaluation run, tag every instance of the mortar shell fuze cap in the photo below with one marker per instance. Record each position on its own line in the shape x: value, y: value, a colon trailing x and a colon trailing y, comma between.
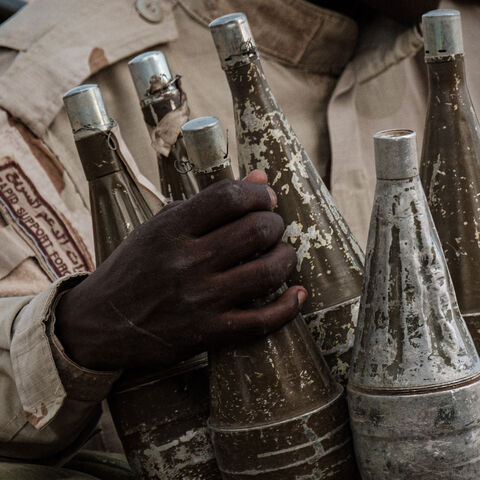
x: 147, y: 66
x: 442, y: 32
x: 205, y: 143
x: 396, y: 154
x: 86, y: 109
x: 232, y: 36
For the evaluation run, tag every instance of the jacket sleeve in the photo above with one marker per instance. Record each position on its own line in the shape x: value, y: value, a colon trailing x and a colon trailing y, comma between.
x: 49, y: 406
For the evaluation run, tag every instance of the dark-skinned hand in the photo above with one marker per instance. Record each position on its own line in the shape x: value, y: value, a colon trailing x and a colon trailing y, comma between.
x: 176, y: 285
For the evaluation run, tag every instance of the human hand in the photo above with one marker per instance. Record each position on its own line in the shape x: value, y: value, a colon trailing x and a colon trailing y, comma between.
x: 176, y: 285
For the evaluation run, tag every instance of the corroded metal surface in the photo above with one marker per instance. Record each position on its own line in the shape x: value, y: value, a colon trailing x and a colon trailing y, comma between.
x: 414, y: 385
x: 330, y: 262
x: 432, y: 436
x: 277, y: 413
x: 160, y: 416
x: 331, y: 329
x: 165, y: 434
x: 450, y: 172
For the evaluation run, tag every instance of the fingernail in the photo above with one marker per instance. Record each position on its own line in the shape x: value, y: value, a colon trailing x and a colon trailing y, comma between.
x: 273, y: 197
x: 301, y: 296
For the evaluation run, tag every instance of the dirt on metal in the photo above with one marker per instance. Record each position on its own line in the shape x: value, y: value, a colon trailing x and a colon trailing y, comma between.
x: 330, y: 262
x: 414, y: 387
x: 450, y: 172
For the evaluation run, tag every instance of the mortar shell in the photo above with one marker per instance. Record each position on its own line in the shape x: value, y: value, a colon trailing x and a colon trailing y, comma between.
x: 330, y: 262
x: 414, y: 384
x: 161, y: 418
x: 276, y: 412
x: 419, y: 435
x: 450, y: 168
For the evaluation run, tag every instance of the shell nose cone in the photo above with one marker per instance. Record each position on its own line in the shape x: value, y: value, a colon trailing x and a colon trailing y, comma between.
x: 442, y: 32
x: 205, y: 142
x: 232, y: 36
x: 85, y: 107
x: 396, y: 154
x: 147, y: 66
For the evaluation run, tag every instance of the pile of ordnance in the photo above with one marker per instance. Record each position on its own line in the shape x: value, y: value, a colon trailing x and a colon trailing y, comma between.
x: 380, y: 377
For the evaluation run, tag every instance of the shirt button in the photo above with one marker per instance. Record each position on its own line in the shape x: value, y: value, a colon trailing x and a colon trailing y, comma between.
x: 150, y: 10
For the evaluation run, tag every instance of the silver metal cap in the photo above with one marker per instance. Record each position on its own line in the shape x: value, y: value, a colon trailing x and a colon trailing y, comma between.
x: 148, y: 68
x: 205, y: 142
x: 396, y: 154
x: 232, y: 36
x: 442, y: 32
x: 86, y: 109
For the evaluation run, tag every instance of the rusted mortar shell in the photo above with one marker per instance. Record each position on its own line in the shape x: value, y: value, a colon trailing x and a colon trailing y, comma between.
x: 442, y: 33
x: 207, y: 150
x: 450, y: 173
x: 147, y: 66
x: 414, y: 385
x: 169, y: 440
x: 276, y: 412
x: 165, y: 109
x: 330, y: 262
x: 86, y: 110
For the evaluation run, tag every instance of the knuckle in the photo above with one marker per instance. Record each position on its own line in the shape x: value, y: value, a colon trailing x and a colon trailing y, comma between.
x: 232, y: 194
x: 261, y: 228
x: 266, y: 228
x: 273, y: 272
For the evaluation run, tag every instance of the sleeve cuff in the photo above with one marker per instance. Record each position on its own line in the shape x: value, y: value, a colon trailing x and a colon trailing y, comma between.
x: 80, y: 383
x: 44, y: 375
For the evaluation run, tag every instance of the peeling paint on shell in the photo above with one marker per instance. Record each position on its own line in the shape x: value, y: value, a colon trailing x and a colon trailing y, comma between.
x: 162, y: 421
x: 450, y: 172
x: 330, y: 262
x: 335, y: 335
x: 277, y: 413
x: 414, y: 385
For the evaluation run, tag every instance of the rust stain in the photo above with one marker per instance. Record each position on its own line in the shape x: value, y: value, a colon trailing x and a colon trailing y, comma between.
x: 97, y: 60
x: 49, y: 162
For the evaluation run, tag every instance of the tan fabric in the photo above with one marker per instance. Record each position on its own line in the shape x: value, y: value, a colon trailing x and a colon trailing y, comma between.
x: 12, y: 252
x: 62, y: 43
x: 37, y: 399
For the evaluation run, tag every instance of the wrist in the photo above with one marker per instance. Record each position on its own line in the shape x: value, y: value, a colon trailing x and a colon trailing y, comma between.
x: 81, y: 331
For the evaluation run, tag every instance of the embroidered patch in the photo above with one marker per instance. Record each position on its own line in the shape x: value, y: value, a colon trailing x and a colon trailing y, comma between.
x: 39, y: 222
